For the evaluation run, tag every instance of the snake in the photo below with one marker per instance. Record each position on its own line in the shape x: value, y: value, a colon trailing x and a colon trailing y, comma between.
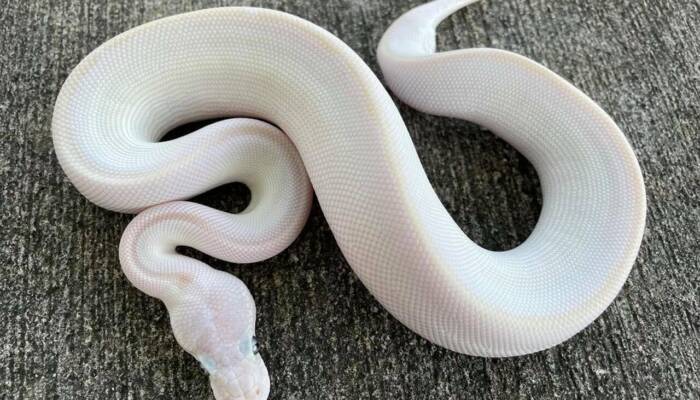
x: 299, y: 114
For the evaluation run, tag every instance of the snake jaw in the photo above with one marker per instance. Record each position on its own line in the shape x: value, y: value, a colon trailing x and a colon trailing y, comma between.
x: 248, y: 380
x: 238, y: 375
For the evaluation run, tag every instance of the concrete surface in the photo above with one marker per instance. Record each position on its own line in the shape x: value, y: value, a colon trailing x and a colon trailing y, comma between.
x: 71, y: 326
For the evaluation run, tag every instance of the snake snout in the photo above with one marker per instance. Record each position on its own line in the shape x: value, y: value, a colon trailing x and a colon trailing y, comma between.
x: 248, y: 381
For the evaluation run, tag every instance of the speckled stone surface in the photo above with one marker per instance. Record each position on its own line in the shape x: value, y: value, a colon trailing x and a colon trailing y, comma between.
x: 71, y: 326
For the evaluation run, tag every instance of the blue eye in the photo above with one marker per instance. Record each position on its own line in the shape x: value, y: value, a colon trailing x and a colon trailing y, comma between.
x: 207, y: 363
x: 255, y: 345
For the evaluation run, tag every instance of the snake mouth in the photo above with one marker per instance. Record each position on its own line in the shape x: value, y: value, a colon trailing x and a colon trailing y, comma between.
x: 249, y: 380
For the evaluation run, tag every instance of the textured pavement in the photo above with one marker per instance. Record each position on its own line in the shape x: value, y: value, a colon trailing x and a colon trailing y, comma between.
x: 71, y: 326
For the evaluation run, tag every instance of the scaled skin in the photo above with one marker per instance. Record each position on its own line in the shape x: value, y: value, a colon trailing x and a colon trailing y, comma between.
x: 343, y: 129
x: 212, y: 313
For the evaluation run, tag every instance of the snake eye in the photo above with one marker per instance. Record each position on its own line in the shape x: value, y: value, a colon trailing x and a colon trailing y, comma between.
x: 255, y: 345
x: 248, y: 347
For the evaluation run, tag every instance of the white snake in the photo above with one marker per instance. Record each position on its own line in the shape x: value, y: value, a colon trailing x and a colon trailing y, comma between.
x: 340, y: 122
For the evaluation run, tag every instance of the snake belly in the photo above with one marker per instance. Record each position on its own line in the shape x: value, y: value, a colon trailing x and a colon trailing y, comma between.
x: 334, y: 121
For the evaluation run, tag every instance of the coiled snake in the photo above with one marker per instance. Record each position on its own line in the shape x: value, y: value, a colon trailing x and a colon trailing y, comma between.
x: 335, y: 122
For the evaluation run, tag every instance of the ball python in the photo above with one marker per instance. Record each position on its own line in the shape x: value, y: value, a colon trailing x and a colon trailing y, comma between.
x: 309, y: 116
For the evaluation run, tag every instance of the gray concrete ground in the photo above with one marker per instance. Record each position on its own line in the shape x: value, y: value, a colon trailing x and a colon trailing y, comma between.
x: 72, y: 327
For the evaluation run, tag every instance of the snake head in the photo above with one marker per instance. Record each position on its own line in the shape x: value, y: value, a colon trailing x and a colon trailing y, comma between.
x: 246, y: 379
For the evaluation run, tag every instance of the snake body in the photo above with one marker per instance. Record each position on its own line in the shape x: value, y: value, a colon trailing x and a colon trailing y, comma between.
x: 334, y: 121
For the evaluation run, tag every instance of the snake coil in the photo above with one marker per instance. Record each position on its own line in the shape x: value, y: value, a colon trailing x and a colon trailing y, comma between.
x: 338, y: 124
